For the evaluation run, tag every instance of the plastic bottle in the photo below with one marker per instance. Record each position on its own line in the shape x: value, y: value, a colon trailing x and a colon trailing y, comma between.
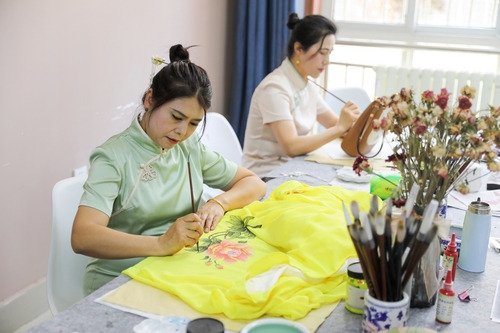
x: 450, y: 257
x: 446, y: 298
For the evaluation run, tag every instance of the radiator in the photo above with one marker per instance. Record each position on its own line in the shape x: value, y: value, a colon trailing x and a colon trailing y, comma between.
x: 390, y: 80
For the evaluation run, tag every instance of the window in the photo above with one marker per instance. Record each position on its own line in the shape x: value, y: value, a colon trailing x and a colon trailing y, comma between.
x: 433, y: 34
x: 458, y: 13
x: 462, y: 14
x: 382, y: 12
x: 444, y: 24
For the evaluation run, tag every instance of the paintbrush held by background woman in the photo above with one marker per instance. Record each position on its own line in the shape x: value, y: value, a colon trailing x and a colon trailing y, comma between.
x: 142, y: 197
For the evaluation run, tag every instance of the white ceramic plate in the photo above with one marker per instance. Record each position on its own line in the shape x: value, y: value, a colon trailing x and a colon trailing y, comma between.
x: 274, y: 325
x: 347, y: 174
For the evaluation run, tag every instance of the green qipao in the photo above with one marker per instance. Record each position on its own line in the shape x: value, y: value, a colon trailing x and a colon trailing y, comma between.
x: 144, y: 188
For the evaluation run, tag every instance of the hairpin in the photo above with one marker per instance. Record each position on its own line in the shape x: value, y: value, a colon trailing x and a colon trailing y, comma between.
x: 157, y: 61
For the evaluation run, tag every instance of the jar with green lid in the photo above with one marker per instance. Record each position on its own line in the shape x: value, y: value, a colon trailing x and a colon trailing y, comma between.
x: 356, y: 289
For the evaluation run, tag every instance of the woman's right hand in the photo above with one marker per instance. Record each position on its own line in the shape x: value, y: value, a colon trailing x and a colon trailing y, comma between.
x: 348, y: 115
x: 185, y: 232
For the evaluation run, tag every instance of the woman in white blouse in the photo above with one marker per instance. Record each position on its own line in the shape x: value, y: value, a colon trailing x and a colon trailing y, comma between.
x: 285, y: 106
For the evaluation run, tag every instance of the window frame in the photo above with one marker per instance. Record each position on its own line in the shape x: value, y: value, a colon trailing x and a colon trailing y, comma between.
x: 413, y: 36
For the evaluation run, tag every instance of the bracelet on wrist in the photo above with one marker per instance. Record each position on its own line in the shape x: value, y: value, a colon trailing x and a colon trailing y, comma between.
x: 217, y: 202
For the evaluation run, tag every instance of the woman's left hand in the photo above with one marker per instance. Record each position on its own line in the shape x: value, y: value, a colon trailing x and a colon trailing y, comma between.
x: 210, y: 214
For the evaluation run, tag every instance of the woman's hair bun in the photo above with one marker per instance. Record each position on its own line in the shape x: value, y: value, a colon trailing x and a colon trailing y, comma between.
x: 293, y: 19
x: 178, y: 53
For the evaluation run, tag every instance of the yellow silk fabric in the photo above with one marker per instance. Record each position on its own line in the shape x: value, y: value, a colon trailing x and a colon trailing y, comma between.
x: 280, y: 257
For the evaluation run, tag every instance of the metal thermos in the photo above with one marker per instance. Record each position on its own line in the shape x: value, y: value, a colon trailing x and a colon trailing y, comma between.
x: 475, y: 237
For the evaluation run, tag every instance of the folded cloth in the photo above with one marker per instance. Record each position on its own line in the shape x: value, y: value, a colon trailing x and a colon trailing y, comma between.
x: 281, y: 257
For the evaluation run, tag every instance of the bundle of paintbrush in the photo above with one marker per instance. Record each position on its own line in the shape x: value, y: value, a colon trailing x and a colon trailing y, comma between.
x: 389, y: 258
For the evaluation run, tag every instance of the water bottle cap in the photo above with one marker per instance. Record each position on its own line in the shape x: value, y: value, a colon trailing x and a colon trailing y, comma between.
x: 479, y: 207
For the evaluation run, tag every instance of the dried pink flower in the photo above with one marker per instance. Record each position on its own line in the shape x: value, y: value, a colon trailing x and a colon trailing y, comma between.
x: 464, y: 103
x: 434, y: 143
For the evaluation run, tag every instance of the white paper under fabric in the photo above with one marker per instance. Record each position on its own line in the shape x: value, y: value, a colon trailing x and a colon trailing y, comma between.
x: 267, y: 280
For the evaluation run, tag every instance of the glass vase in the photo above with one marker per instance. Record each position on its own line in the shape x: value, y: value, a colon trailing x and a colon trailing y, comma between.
x: 424, y: 283
x: 425, y: 277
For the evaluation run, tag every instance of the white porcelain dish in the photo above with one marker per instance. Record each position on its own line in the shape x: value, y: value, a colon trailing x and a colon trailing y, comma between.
x: 347, y: 174
x: 274, y: 325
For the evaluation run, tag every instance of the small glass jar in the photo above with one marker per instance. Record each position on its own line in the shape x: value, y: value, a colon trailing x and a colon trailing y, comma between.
x: 205, y: 325
x: 356, y: 289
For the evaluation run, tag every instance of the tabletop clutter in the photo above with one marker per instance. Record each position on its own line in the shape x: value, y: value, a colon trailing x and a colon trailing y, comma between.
x: 389, y: 245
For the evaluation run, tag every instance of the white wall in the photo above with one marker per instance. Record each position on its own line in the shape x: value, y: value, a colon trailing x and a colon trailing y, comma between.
x: 71, y: 75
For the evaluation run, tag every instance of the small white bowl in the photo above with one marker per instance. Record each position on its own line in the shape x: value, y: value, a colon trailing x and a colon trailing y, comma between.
x: 274, y: 325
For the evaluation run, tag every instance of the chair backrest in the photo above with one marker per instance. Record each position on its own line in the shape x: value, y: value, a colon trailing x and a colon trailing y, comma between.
x: 219, y: 136
x: 356, y: 94
x: 66, y: 268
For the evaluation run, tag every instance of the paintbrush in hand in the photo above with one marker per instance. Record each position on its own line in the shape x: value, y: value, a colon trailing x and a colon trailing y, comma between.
x: 328, y: 92
x: 193, y: 209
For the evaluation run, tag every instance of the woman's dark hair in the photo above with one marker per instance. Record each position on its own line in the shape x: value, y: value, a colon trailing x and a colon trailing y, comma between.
x: 308, y: 31
x: 180, y: 78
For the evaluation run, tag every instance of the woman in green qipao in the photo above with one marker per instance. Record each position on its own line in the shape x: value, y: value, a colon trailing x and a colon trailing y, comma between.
x: 137, y: 201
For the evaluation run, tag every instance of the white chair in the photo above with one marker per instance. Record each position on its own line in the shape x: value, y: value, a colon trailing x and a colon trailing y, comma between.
x: 66, y: 268
x: 356, y: 94
x: 219, y: 136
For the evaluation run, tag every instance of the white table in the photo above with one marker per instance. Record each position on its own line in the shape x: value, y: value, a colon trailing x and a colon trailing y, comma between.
x: 89, y: 316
